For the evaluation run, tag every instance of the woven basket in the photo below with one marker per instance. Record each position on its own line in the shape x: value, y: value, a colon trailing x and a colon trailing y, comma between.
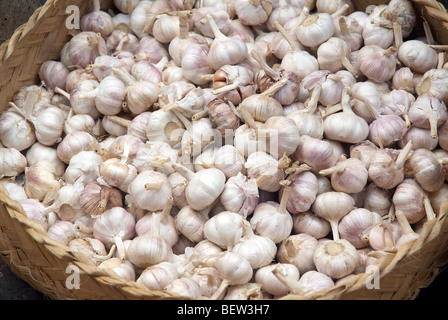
x: 42, y: 262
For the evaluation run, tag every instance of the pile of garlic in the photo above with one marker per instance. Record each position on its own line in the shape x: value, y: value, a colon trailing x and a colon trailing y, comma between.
x: 233, y: 149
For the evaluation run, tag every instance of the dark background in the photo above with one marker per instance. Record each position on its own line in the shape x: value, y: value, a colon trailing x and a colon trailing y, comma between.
x: 12, y: 15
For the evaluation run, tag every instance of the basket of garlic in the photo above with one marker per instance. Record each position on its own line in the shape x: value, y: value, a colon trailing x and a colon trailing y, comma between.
x: 122, y: 193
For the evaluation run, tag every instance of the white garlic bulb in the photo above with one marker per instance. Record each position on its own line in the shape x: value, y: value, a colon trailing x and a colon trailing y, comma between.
x: 418, y: 56
x: 150, y: 189
x: 257, y: 249
x: 270, y: 283
x: 315, y: 30
x: 336, y: 259
x: 204, y: 187
x: 12, y: 162
x: 240, y: 195
x: 224, y: 229
x: 298, y: 250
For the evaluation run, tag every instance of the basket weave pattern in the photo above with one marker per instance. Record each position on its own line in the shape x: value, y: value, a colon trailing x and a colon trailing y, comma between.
x: 42, y: 261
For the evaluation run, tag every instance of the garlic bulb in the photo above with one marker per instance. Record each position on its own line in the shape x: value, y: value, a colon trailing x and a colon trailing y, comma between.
x: 184, y: 287
x: 240, y: 195
x: 224, y: 229
x: 84, y: 167
x: 149, y: 249
x: 164, y: 126
x: 315, y: 30
x: 158, y: 276
x: 233, y: 82
x: 299, y: 61
x: 336, y: 259
x: 80, y: 104
x: 331, y: 7
x: 281, y: 136
x: 150, y: 189
x: 270, y: 283
x: 34, y: 97
x: 348, y: 29
x: 167, y: 228
x: 403, y: 79
x: 334, y: 55
x: 261, y: 164
x: 352, y: 226
x: 298, y: 250
x: 271, y: 219
x: 12, y: 162
x: 387, y: 170
x: 385, y: 129
x: 15, y: 131
x: 333, y: 206
x: 258, y: 250
x: 428, y: 112
x: 109, y: 95
x: 417, y: 56
x: 377, y: 199
x: 308, y: 120
x: 409, y: 235
x: 252, y: 13
x: 140, y: 95
x: 85, y: 47
x: 121, y: 268
x: 346, y: 126
x: 229, y: 161
x: 220, y: 16
x: 224, y: 50
x: 376, y: 63
x: 204, y: 187
x: 348, y: 175
x: 96, y: 198
x: 433, y: 83
x: 304, y: 189
x: 410, y: 196
x: 190, y: 223
x: 311, y: 224
x: 223, y: 117
x: 262, y: 106
x: 113, y: 227
x: 40, y: 179
x: 377, y: 29
x: 309, y: 283
x: 53, y: 74
x: 92, y: 249
x: 421, y: 139
x: 427, y: 169
x: 318, y: 154
x: 97, y: 21
x: 233, y: 270
x: 49, y: 126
